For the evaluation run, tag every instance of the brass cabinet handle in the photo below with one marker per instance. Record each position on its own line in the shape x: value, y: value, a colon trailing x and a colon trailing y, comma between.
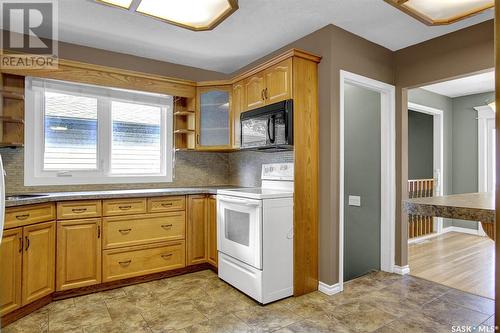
x: 79, y: 210
x: 265, y: 93
x: 27, y: 243
x: 197, y: 138
x: 262, y: 94
x: 167, y: 204
x: 166, y: 256
x: 125, y: 263
x: 125, y: 231
x: 98, y: 231
x: 20, y: 244
x: 125, y: 207
x: 23, y: 216
x: 165, y: 226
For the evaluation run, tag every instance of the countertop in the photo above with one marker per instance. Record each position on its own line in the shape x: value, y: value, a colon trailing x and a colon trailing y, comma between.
x: 469, y: 206
x: 89, y: 195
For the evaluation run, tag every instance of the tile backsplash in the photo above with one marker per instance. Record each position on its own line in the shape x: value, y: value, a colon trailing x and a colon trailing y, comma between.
x: 192, y: 169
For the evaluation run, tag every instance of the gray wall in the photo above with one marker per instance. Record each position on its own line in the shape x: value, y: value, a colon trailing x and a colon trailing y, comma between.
x: 465, y: 146
x: 420, y: 145
x: 460, y: 141
x: 362, y: 178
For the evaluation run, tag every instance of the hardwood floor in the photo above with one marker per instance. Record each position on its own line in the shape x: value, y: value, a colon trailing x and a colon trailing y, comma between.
x: 457, y: 260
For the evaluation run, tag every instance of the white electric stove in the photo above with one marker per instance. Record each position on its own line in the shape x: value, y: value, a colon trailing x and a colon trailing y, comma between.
x: 255, y: 235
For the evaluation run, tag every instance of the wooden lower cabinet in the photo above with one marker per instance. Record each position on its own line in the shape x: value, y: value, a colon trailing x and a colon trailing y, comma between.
x: 141, y: 260
x: 212, y: 230
x: 196, y: 229
x: 38, y: 278
x: 11, y: 254
x: 78, y: 253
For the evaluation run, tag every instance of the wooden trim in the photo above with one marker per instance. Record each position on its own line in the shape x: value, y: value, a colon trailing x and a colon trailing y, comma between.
x: 25, y: 310
x: 265, y: 65
x: 399, y: 4
x: 86, y: 73
x: 306, y: 142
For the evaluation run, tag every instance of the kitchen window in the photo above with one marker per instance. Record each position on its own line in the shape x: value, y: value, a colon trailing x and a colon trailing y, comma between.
x: 84, y: 134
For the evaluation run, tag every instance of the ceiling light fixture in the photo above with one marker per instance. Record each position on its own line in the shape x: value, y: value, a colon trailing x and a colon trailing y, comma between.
x: 190, y: 14
x: 441, y: 12
x: 117, y: 3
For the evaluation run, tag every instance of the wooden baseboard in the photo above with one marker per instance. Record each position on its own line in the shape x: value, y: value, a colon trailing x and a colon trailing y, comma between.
x: 59, y: 295
x: 25, y: 310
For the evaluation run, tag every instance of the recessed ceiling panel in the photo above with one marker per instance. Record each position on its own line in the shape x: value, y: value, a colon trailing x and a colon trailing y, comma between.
x: 119, y: 3
x: 192, y: 14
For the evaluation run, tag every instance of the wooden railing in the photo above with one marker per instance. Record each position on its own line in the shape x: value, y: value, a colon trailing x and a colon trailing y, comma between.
x: 420, y: 225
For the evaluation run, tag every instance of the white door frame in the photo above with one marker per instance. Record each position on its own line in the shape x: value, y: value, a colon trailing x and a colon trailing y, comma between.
x: 438, y: 148
x: 388, y: 169
x: 485, y: 115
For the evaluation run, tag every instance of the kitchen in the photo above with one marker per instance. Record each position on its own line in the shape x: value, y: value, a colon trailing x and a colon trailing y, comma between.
x: 105, y: 199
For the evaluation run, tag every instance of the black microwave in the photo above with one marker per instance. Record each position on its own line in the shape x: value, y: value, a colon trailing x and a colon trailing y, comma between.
x: 269, y: 128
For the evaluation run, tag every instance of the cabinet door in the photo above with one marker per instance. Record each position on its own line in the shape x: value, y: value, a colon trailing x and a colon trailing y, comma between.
x: 197, y: 230
x: 214, y: 118
x: 278, y: 82
x: 254, y: 92
x: 38, y: 261
x: 238, y: 106
x: 212, y: 230
x: 78, y: 253
x: 11, y: 253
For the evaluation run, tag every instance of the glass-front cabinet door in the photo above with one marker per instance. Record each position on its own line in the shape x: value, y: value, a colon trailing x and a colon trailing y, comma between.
x: 214, y: 118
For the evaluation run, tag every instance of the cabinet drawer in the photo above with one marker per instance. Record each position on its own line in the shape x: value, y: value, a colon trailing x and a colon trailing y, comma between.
x: 124, y: 206
x: 79, y: 209
x: 166, y: 204
x: 142, y: 229
x: 24, y: 215
x: 142, y: 260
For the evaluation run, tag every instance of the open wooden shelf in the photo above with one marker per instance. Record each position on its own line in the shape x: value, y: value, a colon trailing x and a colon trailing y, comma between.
x: 184, y: 124
x: 12, y: 111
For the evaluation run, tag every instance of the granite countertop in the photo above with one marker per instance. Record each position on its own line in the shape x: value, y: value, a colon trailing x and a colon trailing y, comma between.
x: 68, y: 196
x: 468, y: 206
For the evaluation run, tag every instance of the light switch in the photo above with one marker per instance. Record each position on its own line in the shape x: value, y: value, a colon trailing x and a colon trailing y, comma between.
x: 355, y: 200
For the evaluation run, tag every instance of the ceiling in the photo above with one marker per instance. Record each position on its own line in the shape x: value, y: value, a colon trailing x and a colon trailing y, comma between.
x: 256, y: 29
x: 470, y: 85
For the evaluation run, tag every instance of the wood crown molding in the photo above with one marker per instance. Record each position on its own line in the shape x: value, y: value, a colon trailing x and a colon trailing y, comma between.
x: 271, y: 62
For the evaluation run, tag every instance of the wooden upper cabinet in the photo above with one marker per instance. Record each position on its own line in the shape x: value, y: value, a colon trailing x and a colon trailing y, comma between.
x: 212, y: 230
x: 38, y: 261
x: 254, y: 87
x: 238, y: 107
x: 213, y: 118
x: 78, y: 253
x: 11, y: 253
x: 196, y: 230
x: 278, y: 82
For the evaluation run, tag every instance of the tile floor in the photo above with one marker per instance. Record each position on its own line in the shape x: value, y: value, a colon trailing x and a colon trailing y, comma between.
x: 200, y: 302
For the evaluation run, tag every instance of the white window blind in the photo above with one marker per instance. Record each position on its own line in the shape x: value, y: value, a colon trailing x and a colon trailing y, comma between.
x: 84, y: 134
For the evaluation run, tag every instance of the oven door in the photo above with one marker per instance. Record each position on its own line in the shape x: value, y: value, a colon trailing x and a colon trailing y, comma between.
x: 239, y: 225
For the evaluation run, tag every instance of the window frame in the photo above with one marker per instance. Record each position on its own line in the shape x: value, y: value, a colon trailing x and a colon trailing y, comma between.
x: 34, y: 151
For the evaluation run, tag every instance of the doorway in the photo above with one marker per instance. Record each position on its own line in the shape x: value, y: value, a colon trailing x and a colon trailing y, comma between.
x: 367, y: 176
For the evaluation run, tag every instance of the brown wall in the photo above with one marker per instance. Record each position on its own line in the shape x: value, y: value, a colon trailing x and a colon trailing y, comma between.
x: 340, y: 50
x: 457, y: 54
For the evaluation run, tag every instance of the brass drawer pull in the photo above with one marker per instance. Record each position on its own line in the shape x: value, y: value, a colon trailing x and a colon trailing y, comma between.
x: 125, y: 231
x: 22, y: 217
x: 79, y: 210
x: 27, y: 243
x: 125, y: 263
x: 166, y: 256
x: 167, y: 204
x: 20, y: 244
x: 125, y: 207
x: 167, y: 226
